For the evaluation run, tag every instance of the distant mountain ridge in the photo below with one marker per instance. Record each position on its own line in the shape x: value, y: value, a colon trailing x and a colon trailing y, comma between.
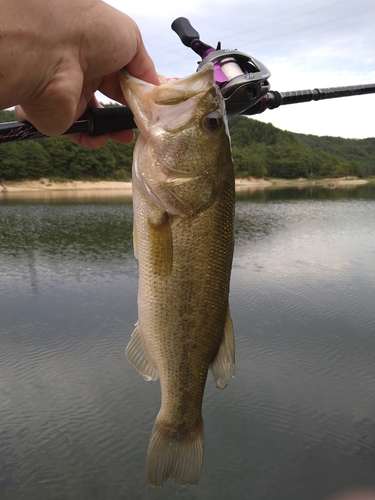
x: 362, y: 150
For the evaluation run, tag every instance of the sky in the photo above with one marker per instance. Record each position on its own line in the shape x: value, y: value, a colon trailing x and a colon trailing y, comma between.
x: 305, y: 44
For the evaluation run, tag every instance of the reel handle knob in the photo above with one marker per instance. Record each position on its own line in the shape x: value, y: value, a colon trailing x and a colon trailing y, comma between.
x: 185, y: 31
x: 189, y: 36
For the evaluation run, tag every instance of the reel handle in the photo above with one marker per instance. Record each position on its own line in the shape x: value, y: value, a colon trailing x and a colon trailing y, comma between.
x: 185, y: 31
x: 242, y: 80
x: 190, y: 36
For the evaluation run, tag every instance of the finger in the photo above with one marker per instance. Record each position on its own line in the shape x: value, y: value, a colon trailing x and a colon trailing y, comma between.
x: 19, y: 112
x: 98, y: 141
x: 142, y: 67
x: 51, y: 124
x: 90, y: 141
x: 123, y: 136
x: 110, y: 87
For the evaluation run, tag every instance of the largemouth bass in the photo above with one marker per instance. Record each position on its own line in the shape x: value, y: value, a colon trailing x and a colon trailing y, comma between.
x: 183, y: 197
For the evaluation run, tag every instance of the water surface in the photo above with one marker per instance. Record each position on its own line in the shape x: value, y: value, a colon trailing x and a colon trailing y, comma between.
x: 297, y: 422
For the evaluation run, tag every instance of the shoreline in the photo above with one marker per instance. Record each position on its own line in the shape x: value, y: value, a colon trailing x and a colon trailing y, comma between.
x: 327, y: 182
x: 117, y: 187
x: 47, y: 185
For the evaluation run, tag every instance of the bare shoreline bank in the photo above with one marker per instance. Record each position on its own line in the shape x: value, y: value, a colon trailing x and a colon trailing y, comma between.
x: 47, y: 185
x: 116, y: 187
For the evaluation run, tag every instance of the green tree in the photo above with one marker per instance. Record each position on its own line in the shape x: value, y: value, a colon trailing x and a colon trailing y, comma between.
x: 259, y: 149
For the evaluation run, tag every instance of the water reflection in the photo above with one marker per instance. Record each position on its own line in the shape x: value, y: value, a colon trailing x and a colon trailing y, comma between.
x: 282, y: 193
x: 304, y: 282
x: 64, y: 238
x: 76, y: 196
x: 296, y: 423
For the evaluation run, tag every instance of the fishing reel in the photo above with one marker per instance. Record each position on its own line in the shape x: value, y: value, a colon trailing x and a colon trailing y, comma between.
x: 243, y: 81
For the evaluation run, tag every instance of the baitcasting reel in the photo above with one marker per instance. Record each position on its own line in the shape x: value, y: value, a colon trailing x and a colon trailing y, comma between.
x: 242, y: 80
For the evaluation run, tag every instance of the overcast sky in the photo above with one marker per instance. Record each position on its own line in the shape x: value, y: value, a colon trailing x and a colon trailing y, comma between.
x: 305, y: 44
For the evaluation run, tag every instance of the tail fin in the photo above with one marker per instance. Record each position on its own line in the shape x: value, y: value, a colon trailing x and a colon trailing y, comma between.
x: 173, y: 455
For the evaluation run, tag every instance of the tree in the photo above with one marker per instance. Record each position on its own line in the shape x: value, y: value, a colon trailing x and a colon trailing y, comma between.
x: 259, y: 149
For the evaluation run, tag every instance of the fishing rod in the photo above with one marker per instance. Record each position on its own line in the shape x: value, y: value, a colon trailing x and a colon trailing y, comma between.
x: 96, y: 121
x: 242, y: 79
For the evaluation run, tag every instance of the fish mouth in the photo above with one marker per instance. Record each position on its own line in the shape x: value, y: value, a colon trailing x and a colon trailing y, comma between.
x: 145, y: 98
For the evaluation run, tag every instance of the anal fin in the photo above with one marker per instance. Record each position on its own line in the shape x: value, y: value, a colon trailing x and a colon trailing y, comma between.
x: 138, y: 357
x: 224, y: 362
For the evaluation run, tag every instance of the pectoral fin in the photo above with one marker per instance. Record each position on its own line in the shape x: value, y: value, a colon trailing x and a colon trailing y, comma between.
x: 161, y: 243
x: 225, y: 359
x: 138, y: 357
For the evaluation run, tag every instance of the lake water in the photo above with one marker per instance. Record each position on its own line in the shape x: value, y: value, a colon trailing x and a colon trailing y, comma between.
x: 297, y: 422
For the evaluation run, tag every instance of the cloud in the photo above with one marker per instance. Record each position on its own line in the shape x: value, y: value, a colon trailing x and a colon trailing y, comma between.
x: 309, y: 44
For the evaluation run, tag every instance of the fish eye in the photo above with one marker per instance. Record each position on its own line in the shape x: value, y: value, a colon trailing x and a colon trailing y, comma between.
x: 212, y: 121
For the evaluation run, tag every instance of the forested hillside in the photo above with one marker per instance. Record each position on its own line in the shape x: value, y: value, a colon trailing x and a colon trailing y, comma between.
x: 259, y: 149
x: 362, y: 150
x: 263, y: 150
x: 60, y: 158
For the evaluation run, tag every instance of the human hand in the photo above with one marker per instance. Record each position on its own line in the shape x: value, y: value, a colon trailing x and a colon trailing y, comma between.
x: 57, y: 54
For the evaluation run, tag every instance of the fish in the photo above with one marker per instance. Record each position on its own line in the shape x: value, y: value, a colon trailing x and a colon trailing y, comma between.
x: 183, y: 200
